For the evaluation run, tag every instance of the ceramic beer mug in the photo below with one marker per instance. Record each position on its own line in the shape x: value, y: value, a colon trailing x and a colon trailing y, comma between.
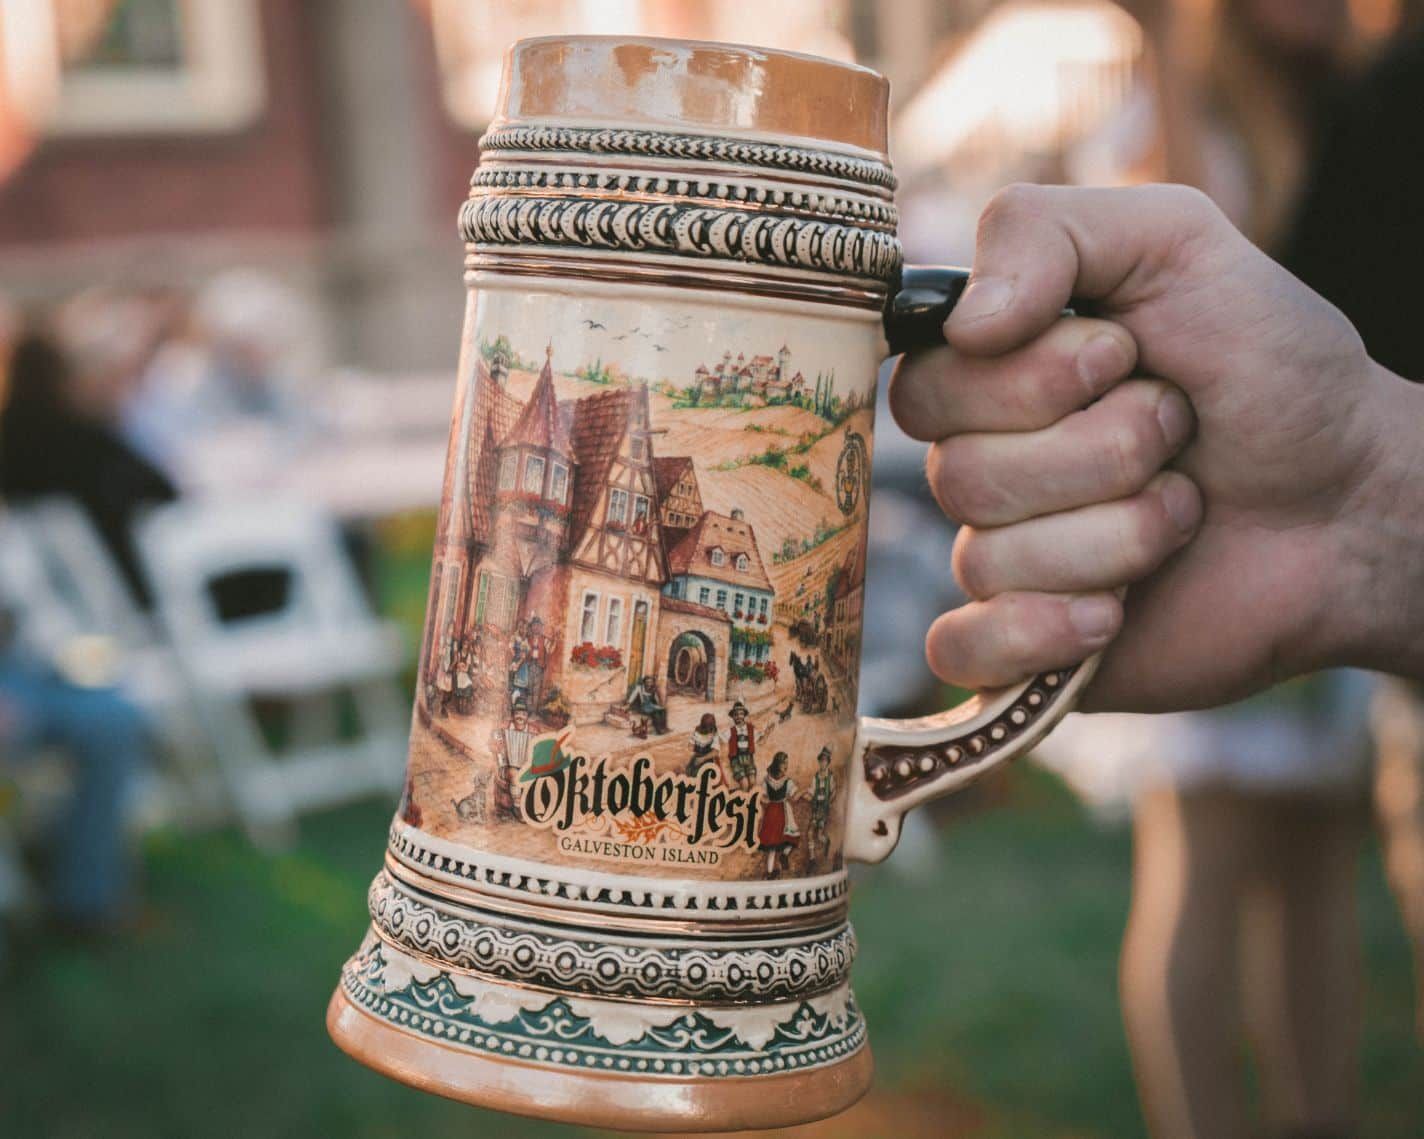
x: 615, y: 890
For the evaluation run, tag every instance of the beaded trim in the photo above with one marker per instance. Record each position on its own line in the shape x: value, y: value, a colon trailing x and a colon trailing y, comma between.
x: 896, y: 769
x: 602, y: 964
x: 702, y: 148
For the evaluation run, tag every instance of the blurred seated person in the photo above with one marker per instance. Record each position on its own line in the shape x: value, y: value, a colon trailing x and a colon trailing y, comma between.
x: 248, y: 345
x: 91, y: 888
x: 59, y: 431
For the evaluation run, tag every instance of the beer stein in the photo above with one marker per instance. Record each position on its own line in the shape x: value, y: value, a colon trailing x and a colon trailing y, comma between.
x: 615, y: 889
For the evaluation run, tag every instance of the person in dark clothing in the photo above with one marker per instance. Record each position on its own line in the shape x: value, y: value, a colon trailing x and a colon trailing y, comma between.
x: 1358, y: 239
x: 50, y: 447
x: 1358, y: 235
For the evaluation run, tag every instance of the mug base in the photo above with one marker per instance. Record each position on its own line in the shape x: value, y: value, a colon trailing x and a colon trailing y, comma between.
x: 626, y: 1103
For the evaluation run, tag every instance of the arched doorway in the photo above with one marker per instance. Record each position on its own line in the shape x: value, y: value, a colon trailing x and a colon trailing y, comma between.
x: 691, y: 661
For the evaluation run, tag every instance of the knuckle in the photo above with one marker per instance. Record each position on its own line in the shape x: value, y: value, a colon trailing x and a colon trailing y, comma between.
x: 971, y: 566
x: 1013, y: 202
x: 1127, y: 454
x: 1195, y: 206
x: 957, y: 480
x: 912, y: 399
x: 1016, y: 639
x: 1141, y: 537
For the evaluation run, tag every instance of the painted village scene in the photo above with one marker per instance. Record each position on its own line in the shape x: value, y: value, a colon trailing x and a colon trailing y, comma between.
x: 663, y: 566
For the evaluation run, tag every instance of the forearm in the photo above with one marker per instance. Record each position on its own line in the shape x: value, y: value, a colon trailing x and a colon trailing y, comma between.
x: 1374, y: 615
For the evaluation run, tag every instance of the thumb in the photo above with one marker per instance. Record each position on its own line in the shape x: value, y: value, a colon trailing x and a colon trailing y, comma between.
x: 1039, y: 246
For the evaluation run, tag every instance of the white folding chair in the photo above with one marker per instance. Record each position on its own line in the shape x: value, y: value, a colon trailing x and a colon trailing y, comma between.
x: 87, y: 580
x: 321, y: 642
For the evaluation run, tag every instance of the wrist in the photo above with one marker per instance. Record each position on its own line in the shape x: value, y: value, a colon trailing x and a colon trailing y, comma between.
x: 1372, y: 609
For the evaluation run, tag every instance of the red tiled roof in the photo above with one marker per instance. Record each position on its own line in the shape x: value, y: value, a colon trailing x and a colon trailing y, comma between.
x: 692, y: 554
x: 540, y: 424
x: 493, y: 413
x: 599, y: 423
x: 677, y: 605
x: 667, y: 472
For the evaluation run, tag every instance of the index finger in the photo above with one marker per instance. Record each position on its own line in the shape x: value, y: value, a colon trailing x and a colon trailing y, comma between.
x: 1040, y: 246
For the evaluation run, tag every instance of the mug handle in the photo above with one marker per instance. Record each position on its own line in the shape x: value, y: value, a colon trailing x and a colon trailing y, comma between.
x: 898, y: 764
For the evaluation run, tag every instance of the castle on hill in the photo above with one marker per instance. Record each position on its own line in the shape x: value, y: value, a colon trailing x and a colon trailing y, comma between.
x: 765, y: 378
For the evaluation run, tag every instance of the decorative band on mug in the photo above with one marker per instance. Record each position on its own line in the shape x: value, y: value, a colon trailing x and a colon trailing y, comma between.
x: 732, y: 901
x: 616, y: 1038
x: 682, y: 229
x: 688, y: 148
x: 787, y: 199
x: 593, y: 963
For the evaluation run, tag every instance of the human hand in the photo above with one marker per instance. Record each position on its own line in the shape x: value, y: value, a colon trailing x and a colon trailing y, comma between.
x: 1218, y: 439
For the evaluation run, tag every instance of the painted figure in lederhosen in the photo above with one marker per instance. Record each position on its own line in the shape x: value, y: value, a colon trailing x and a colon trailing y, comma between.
x: 444, y: 675
x: 511, y: 749
x: 519, y: 666
x: 741, y: 748
x: 706, y: 742
x: 778, y: 833
x: 823, y: 793
x: 536, y: 661
x: 465, y: 679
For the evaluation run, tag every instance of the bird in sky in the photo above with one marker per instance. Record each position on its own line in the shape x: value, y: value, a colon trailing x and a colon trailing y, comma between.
x: 594, y: 324
x: 659, y: 347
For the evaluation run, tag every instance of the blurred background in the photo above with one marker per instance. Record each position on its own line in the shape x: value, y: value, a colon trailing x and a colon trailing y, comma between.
x: 230, y: 304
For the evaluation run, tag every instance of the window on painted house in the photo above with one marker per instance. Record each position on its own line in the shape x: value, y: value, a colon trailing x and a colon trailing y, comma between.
x: 742, y: 562
x: 534, y: 475
x: 618, y: 507
x: 704, y: 596
x: 559, y: 483
x: 507, y: 467
x: 588, y: 622
x: 718, y: 558
x: 722, y: 599
x: 614, y: 629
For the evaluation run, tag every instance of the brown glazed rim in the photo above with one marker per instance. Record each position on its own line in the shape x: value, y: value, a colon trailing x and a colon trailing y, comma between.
x: 694, y: 86
x: 624, y: 1103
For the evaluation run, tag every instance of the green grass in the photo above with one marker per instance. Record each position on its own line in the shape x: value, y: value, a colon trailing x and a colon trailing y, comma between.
x: 991, y: 981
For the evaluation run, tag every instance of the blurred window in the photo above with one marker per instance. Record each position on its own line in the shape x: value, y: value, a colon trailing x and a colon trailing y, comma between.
x: 704, y: 596
x: 470, y: 39
x: 559, y: 483
x: 154, y: 66
x: 507, y: 467
x: 534, y: 475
